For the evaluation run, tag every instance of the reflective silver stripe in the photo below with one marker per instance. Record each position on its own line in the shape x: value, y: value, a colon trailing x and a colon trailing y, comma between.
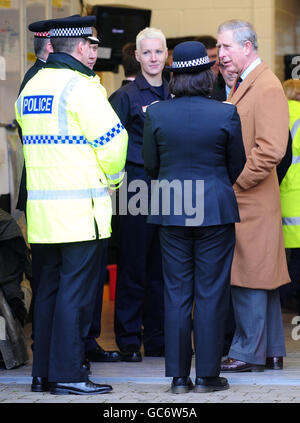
x: 290, y: 221
x: 295, y: 127
x: 116, y: 175
x: 62, y: 106
x: 295, y: 159
x: 19, y: 102
x: 72, y: 194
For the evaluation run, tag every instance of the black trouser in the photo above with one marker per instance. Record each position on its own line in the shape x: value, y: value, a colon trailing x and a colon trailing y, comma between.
x: 139, y: 291
x: 63, y: 309
x: 90, y: 342
x: 196, y: 265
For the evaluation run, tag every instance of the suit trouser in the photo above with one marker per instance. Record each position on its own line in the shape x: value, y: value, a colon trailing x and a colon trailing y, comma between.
x: 259, y: 329
x: 139, y: 290
x: 95, y: 328
x: 36, y: 254
x: 196, y: 265
x: 64, y: 305
x: 90, y: 342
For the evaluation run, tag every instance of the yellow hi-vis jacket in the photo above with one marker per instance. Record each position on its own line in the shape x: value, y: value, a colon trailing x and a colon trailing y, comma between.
x: 290, y: 185
x: 75, y: 150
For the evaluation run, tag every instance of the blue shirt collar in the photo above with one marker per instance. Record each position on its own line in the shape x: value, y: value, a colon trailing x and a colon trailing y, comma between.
x: 250, y: 68
x: 227, y: 89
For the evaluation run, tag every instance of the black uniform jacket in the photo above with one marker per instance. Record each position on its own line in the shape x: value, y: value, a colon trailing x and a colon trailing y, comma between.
x: 190, y: 139
x: 130, y: 102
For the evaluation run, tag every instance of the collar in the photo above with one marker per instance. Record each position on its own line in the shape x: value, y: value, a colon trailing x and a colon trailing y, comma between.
x: 66, y: 61
x: 227, y: 90
x: 250, y: 68
x: 143, y: 84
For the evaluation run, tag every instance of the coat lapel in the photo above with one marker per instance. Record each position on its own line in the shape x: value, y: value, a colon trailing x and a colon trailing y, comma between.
x: 235, y: 97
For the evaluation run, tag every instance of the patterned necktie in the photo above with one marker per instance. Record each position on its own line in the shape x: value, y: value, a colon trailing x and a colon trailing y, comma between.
x: 237, y: 84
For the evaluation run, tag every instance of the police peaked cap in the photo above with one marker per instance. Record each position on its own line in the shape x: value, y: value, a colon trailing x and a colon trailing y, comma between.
x: 189, y: 57
x: 93, y: 38
x: 72, y: 26
x: 41, y: 29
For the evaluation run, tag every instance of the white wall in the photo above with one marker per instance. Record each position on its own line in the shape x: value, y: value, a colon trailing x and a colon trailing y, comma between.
x: 198, y: 17
x: 16, y: 43
x: 287, y: 34
x: 277, y: 23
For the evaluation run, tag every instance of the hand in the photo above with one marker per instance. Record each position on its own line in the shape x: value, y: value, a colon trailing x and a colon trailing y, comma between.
x: 237, y: 188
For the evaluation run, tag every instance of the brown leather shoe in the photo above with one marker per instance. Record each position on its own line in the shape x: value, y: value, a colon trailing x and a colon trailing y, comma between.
x: 274, y: 363
x: 232, y: 365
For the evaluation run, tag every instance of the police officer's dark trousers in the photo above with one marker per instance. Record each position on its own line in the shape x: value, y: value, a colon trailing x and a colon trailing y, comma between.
x: 139, y: 290
x: 95, y: 328
x: 64, y: 307
x: 196, y: 265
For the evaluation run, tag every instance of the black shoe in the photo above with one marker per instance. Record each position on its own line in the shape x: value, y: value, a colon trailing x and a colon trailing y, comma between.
x: 40, y: 384
x: 181, y: 385
x: 99, y: 355
x: 158, y: 353
x: 209, y: 384
x: 79, y: 388
x: 274, y: 363
x: 232, y: 365
x: 131, y: 356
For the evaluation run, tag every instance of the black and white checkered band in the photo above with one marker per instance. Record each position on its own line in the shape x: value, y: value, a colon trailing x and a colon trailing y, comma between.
x: 71, y: 32
x: 190, y: 63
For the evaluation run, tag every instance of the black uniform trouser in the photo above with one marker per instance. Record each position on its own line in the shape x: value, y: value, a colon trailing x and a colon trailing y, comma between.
x: 90, y: 342
x: 139, y: 305
x: 196, y: 265
x: 37, y: 259
x: 63, y: 309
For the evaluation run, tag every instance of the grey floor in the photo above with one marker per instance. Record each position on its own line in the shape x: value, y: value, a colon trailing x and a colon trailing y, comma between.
x: 145, y: 382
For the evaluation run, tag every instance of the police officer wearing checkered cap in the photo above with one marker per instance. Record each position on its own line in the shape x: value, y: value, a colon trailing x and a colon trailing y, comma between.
x: 42, y: 48
x: 193, y: 139
x: 75, y: 148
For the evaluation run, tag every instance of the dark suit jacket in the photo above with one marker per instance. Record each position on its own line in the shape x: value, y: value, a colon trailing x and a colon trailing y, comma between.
x: 39, y: 64
x: 285, y: 163
x: 190, y: 139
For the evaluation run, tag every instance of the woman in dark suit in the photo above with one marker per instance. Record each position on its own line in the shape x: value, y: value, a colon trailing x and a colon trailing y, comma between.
x: 193, y: 151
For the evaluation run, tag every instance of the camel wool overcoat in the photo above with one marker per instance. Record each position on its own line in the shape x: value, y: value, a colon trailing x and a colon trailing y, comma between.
x: 259, y: 259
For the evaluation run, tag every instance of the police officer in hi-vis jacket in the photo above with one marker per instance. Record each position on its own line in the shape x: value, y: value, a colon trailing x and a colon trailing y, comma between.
x: 75, y: 148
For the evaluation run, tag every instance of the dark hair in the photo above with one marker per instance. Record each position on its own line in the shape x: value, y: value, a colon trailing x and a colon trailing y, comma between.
x: 66, y: 45
x: 39, y: 45
x: 207, y: 40
x: 192, y: 84
x: 130, y: 64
